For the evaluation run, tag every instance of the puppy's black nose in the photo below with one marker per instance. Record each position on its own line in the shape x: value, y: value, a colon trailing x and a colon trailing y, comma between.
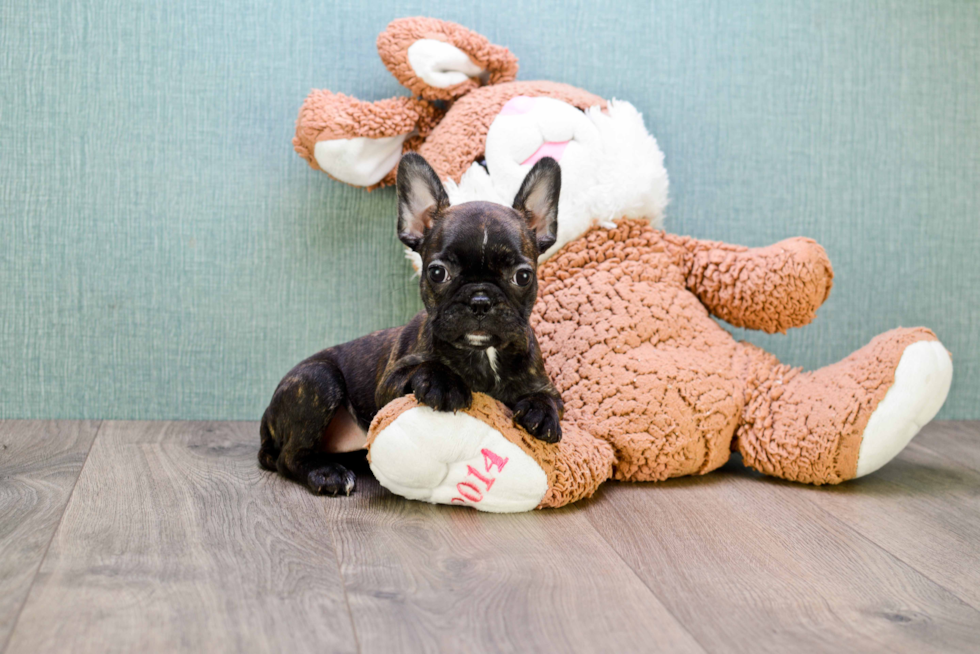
x: 480, y: 304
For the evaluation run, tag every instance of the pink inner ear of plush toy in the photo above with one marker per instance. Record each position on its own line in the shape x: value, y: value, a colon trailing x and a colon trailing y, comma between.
x: 522, y: 104
x: 553, y: 149
x: 519, y: 104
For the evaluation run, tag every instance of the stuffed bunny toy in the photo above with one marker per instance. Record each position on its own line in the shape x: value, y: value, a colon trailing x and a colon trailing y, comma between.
x: 653, y: 387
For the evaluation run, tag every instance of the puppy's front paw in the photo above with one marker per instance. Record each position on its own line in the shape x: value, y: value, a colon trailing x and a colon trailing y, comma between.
x: 438, y: 387
x: 538, y: 415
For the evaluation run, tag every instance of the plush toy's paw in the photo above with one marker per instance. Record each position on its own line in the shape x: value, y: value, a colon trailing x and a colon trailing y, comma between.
x: 478, y: 458
x: 538, y: 415
x: 922, y: 381
x: 440, y: 388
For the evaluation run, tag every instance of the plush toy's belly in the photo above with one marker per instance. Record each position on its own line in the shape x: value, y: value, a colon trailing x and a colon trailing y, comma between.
x: 642, y: 365
x: 667, y: 412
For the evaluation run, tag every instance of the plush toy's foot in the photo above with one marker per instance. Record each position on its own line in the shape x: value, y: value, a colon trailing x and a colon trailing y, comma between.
x: 847, y: 419
x: 922, y: 380
x: 478, y: 458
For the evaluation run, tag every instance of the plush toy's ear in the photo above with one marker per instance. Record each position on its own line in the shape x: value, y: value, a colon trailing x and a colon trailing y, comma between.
x: 358, y: 142
x: 421, y: 197
x: 538, y: 200
x: 439, y: 60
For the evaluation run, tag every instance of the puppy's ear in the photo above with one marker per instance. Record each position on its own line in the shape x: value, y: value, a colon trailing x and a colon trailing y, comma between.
x: 421, y: 197
x: 538, y: 200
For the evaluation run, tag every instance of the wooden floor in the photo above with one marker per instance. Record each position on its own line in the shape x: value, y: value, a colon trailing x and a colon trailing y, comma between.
x: 163, y: 537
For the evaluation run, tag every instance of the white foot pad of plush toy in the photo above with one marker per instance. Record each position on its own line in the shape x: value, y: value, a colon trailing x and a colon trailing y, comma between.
x: 922, y: 381
x: 454, y: 458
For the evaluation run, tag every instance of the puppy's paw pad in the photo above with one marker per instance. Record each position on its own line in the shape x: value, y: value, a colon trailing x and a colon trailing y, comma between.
x: 448, y: 458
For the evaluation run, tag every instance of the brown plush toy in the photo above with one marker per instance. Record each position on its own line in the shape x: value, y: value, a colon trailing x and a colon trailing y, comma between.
x: 653, y: 387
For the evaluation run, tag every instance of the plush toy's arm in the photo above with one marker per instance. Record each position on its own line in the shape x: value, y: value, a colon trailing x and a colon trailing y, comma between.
x: 357, y: 142
x: 770, y: 288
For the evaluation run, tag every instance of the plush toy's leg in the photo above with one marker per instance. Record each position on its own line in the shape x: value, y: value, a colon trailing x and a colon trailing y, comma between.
x: 847, y: 419
x: 478, y: 458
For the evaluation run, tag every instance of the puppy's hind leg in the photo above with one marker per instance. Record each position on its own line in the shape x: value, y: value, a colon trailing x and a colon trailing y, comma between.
x: 269, y: 448
x: 302, y: 406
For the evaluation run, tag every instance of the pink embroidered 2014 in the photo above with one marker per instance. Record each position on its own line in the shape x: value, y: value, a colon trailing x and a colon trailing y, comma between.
x: 467, y: 489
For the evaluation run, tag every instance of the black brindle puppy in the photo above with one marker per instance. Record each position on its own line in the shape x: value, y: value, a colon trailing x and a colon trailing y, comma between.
x: 478, y: 285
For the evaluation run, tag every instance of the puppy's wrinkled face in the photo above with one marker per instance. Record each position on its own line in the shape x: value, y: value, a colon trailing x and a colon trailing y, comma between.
x: 478, y: 280
x: 479, y: 259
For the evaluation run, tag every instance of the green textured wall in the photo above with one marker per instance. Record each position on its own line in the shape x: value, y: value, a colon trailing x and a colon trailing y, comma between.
x: 164, y: 254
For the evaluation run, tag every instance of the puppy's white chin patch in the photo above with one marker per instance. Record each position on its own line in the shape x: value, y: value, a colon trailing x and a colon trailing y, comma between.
x: 477, y: 340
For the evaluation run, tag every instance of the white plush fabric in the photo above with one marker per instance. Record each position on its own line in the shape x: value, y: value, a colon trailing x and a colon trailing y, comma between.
x: 611, y: 168
x: 359, y: 161
x: 922, y: 381
x: 428, y: 455
x: 441, y: 64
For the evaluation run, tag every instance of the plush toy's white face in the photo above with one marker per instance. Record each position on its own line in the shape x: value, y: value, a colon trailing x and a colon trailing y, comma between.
x: 611, y: 165
x: 528, y: 129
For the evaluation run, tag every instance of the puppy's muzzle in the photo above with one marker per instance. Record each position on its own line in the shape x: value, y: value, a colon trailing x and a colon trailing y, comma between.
x: 480, y: 303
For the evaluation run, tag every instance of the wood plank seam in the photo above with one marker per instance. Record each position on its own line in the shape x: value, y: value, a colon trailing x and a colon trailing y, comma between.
x: 343, y: 587
x: 54, y: 532
x: 898, y: 568
x: 943, y: 455
x: 199, y: 550
x: 894, y: 555
x: 659, y: 599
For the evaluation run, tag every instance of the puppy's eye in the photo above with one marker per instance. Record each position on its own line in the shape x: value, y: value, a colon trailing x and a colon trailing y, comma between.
x: 438, y: 274
x: 522, y: 277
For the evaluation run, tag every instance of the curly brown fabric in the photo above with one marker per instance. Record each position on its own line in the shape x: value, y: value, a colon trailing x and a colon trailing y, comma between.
x: 429, y: 117
x: 450, y: 146
x: 641, y: 364
x: 499, y: 63
x: 637, y: 358
x: 735, y: 282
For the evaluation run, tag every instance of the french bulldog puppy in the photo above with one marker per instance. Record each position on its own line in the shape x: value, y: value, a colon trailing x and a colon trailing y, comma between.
x: 478, y: 284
